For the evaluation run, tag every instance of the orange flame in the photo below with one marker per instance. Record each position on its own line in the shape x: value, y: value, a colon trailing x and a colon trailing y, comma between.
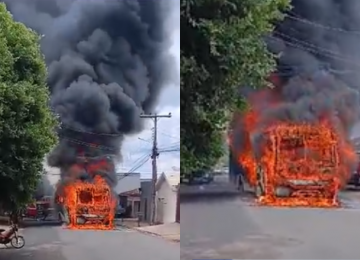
x: 303, y: 160
x: 92, y: 202
x: 246, y: 157
x: 307, y: 163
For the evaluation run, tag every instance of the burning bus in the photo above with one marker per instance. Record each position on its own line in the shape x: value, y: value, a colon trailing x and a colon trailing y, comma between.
x: 89, y: 205
x: 298, y: 165
x: 86, y: 199
x: 293, y: 154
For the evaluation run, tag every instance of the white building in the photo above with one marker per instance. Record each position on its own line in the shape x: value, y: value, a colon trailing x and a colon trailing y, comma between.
x: 166, y: 197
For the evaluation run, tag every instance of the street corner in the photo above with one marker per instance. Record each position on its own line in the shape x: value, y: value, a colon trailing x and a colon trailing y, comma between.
x: 170, y: 231
x: 124, y: 229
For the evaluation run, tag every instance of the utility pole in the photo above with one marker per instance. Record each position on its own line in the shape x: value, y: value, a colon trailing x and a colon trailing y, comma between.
x: 154, y: 155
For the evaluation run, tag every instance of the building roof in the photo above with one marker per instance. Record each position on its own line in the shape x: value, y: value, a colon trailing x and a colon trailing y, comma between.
x: 172, y: 179
x: 131, y: 193
x: 127, y: 174
x: 127, y: 182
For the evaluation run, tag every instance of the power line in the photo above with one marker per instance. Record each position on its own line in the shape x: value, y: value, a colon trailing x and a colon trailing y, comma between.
x: 310, y: 45
x: 171, y: 145
x: 170, y: 150
x: 132, y: 170
x: 139, y: 161
x: 315, y: 24
x: 168, y: 135
x: 315, y: 50
x: 92, y: 145
x: 62, y: 126
x: 140, y: 147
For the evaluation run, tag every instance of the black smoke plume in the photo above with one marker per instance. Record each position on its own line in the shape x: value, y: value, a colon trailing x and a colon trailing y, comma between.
x: 318, y: 67
x: 319, y: 61
x: 108, y: 60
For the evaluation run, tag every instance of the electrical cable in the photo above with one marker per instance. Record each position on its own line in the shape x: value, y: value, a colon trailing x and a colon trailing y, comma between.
x: 176, y: 144
x: 170, y: 150
x: 315, y: 51
x: 87, y: 144
x: 139, y: 161
x: 170, y: 147
x: 313, y: 46
x: 62, y: 126
x: 132, y: 170
x: 315, y: 24
x: 168, y: 135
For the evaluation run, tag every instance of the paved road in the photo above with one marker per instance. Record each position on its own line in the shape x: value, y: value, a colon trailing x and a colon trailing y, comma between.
x: 236, y: 229
x: 56, y: 243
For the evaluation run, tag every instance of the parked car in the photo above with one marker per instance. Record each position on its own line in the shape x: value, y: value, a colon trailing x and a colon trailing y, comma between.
x: 198, y: 178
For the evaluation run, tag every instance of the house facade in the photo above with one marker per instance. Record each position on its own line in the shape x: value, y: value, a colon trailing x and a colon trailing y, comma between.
x: 130, y: 201
x: 167, y: 198
x: 128, y: 191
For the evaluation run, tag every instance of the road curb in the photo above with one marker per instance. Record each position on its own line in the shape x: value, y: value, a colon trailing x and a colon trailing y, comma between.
x: 176, y: 240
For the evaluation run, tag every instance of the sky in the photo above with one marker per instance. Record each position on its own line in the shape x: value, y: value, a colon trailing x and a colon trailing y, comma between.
x: 136, y: 147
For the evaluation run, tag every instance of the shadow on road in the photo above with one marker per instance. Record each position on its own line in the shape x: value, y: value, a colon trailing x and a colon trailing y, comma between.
x: 211, y: 191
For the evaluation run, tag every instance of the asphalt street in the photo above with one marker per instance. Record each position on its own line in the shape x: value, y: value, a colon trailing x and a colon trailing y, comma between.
x: 57, y: 243
x: 235, y: 228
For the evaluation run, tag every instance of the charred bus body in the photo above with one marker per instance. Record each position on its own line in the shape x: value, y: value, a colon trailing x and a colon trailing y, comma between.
x: 297, y: 165
x: 86, y: 200
x: 89, y: 203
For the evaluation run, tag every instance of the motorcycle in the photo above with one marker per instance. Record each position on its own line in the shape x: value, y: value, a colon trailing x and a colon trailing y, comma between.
x: 11, y: 236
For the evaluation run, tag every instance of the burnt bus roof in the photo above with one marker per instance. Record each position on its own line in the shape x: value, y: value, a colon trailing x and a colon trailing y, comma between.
x: 299, y: 128
x: 301, y: 131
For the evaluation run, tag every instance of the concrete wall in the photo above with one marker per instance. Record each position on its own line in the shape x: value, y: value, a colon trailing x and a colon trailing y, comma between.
x: 166, y: 199
x: 145, y: 199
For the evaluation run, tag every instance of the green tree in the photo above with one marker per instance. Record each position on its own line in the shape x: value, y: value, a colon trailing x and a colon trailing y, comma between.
x: 26, y: 122
x: 222, y: 48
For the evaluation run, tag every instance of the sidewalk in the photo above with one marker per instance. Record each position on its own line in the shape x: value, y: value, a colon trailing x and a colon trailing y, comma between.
x: 130, y: 223
x: 170, y: 231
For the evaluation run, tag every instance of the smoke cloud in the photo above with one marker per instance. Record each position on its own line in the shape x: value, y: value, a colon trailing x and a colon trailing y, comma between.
x: 319, y: 62
x: 318, y: 65
x: 317, y: 74
x: 108, y: 61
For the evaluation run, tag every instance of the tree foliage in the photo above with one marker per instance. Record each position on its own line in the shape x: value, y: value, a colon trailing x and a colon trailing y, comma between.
x: 222, y: 48
x: 26, y: 122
